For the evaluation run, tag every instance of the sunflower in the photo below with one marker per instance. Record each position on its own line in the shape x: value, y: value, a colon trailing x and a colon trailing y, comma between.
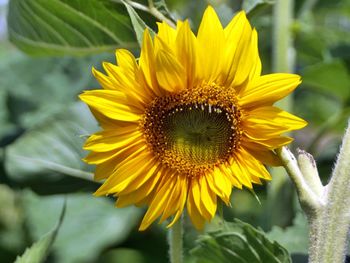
x: 189, y: 120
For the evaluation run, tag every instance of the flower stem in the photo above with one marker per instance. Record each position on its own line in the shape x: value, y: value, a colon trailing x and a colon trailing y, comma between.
x: 334, y: 221
x: 175, y: 242
x: 327, y: 208
x: 307, y: 197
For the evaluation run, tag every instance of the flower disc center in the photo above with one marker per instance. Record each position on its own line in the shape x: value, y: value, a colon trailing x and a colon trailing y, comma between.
x: 199, y: 134
x: 194, y: 130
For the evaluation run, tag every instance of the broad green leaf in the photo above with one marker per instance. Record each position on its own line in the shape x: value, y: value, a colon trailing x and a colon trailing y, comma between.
x: 39, y: 250
x: 53, y: 148
x: 77, y: 27
x: 294, y: 238
x: 36, y: 88
x: 332, y: 78
x: 91, y: 225
x: 238, y: 242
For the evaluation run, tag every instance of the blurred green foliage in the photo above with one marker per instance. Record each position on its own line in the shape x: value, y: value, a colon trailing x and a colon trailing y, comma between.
x: 43, y: 126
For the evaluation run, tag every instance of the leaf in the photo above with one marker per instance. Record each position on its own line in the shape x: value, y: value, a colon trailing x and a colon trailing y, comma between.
x: 38, y: 251
x: 238, y: 242
x: 329, y: 77
x: 76, y: 27
x: 161, y: 6
x: 44, y: 87
x: 6, y: 126
x: 138, y: 24
x: 53, y: 148
x: 91, y: 224
x: 294, y: 238
x: 252, y: 6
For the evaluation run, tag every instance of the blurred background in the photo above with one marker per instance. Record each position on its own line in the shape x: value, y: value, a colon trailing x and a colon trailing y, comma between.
x: 43, y: 127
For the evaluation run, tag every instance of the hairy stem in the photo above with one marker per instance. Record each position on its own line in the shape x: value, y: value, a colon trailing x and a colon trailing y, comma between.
x: 334, y: 222
x: 307, y: 197
x: 327, y: 208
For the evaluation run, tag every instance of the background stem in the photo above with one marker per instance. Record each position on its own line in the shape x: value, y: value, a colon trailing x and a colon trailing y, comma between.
x: 175, y: 242
x: 283, y: 60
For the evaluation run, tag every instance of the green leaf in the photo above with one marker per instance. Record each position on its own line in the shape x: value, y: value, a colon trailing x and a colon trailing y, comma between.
x: 138, y: 24
x: 6, y: 126
x: 44, y: 87
x: 91, y: 225
x: 252, y: 6
x: 161, y: 6
x: 53, y: 148
x: 76, y: 27
x: 38, y: 251
x: 331, y: 78
x: 294, y: 238
x: 238, y: 242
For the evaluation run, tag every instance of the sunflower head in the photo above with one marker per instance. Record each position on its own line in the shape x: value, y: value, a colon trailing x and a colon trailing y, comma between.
x: 188, y: 121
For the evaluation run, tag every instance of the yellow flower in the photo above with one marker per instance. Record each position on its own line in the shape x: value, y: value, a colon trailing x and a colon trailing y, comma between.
x: 188, y: 121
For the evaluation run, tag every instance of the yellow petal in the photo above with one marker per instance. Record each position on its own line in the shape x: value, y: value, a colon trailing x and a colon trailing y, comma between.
x: 252, y: 166
x: 196, y: 218
x: 142, y: 179
x: 268, y: 89
x: 170, y: 73
x: 239, y: 171
x: 262, y: 153
x: 127, y: 83
x: 166, y: 33
x: 126, y: 61
x: 101, y: 157
x: 269, y: 122
x: 147, y: 63
x: 105, y: 81
x: 181, y: 200
x: 157, y: 205
x: 242, y: 58
x: 173, y: 202
x: 269, y: 143
x: 109, y: 140
x: 220, y: 184
x: 186, y: 44
x: 256, y: 67
x: 128, y: 170
x: 208, y: 197
x: 112, y: 104
x: 210, y: 46
x: 232, y: 177
x: 140, y: 194
x: 104, y: 170
x: 267, y: 116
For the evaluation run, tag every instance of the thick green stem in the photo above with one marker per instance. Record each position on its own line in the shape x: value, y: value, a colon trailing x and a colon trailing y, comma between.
x: 175, y: 242
x: 334, y: 221
x: 327, y: 208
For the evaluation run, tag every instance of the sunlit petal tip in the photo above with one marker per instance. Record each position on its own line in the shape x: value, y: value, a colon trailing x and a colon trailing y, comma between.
x: 211, y: 18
